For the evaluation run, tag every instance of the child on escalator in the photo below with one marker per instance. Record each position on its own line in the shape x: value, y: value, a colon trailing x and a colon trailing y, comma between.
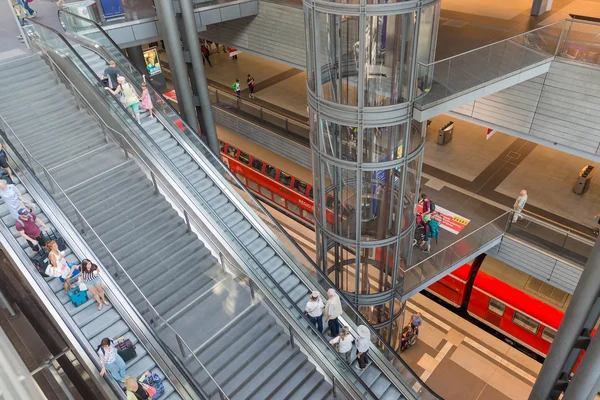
x: 146, y: 100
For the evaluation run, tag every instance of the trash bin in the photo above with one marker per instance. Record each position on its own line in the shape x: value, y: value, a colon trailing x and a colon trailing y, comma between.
x: 86, y: 9
x: 445, y: 133
x: 583, y: 180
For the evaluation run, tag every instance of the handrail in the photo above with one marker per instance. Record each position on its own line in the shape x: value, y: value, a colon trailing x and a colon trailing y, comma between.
x: 356, y: 376
x: 286, y: 234
x: 560, y: 226
x: 562, y: 21
x: 82, y: 218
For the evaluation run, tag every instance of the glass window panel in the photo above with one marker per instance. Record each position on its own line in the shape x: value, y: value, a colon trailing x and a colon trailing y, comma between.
x: 308, y: 215
x: 279, y: 200
x: 548, y: 334
x: 244, y: 158
x: 265, y: 192
x: 257, y: 164
x: 525, y: 322
x: 285, y: 179
x: 270, y: 171
x: 497, y: 307
x: 241, y: 177
x: 222, y: 145
x: 253, y: 185
x: 300, y: 187
x: 293, y: 208
x: 231, y: 151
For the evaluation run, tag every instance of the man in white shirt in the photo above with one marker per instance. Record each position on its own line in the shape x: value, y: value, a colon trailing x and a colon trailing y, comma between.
x: 519, y: 205
x: 314, y: 310
x: 333, y: 309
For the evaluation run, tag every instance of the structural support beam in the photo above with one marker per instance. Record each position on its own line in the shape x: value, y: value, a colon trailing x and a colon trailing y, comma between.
x: 170, y: 35
x: 538, y: 7
x: 564, y: 345
x: 193, y: 42
x: 584, y: 384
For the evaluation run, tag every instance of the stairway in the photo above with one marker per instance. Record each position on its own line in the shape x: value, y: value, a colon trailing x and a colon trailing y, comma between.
x: 174, y: 270
x: 94, y: 325
x: 274, y: 269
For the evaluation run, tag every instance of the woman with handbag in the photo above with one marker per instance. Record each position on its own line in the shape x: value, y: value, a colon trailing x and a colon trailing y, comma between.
x: 91, y: 280
x: 129, y: 97
x: 59, y: 267
x: 138, y: 390
x: 344, y: 343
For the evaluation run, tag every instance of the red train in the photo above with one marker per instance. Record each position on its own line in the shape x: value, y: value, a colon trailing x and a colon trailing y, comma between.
x: 518, y: 317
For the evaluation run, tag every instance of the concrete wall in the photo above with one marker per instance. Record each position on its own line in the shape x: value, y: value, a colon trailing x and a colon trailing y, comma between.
x: 276, y: 33
x: 537, y: 263
x: 559, y: 109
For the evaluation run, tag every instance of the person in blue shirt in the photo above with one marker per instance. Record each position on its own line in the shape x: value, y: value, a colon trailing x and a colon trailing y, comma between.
x: 415, y: 322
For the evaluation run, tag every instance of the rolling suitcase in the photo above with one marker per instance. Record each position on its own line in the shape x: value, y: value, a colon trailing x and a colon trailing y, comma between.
x: 52, y: 235
x: 77, y: 297
x: 40, y: 261
x: 126, y: 350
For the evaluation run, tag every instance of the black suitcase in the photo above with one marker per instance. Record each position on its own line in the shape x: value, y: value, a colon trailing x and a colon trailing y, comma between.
x: 126, y: 350
x: 52, y: 235
x: 40, y: 261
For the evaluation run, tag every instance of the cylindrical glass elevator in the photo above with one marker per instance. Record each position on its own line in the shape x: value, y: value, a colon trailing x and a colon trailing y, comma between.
x: 363, y: 77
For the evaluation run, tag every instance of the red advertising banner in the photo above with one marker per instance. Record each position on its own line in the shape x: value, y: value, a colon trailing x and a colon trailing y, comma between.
x: 171, y: 95
x: 448, y: 220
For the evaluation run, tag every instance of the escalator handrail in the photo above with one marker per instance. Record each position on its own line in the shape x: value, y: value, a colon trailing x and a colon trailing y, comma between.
x: 284, y: 293
x: 265, y: 212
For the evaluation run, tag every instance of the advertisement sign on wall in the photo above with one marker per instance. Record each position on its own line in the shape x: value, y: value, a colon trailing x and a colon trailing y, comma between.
x: 152, y: 61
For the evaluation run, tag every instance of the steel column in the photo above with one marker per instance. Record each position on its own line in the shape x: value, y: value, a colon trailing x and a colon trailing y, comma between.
x: 191, y: 32
x: 585, y: 380
x: 170, y: 35
x: 579, y: 308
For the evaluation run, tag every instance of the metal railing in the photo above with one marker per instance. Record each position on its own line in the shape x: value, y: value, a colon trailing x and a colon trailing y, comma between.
x: 129, y: 148
x: 447, y: 78
x: 295, y: 253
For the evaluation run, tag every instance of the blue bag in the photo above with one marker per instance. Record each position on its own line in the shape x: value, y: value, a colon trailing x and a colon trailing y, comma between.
x: 77, y: 297
x: 151, y: 379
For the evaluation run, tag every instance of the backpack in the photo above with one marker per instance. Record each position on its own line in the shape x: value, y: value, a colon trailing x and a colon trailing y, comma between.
x: 434, y: 229
x: 431, y: 206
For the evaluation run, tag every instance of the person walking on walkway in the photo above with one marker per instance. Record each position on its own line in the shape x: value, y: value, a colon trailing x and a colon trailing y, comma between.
x: 362, y: 346
x: 236, y: 87
x: 27, y: 226
x: 333, y: 309
x: 110, y: 360
x: 12, y: 198
x: 25, y: 4
x: 205, y: 55
x: 314, y: 310
x: 415, y: 322
x: 90, y: 276
x: 519, y: 205
x: 344, y: 343
x: 250, y: 83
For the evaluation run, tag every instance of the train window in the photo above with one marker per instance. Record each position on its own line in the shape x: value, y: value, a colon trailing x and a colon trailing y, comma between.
x: 310, y: 193
x: 300, y: 187
x: 257, y: 164
x: 548, y: 334
x: 265, y: 192
x: 284, y: 178
x: 279, y: 200
x: 253, y: 185
x: 329, y: 202
x: 497, y: 307
x: 271, y: 171
x: 244, y: 158
x: 241, y: 177
x: 294, y: 208
x: 222, y: 144
x: 231, y: 151
x: 525, y: 322
x: 308, y: 216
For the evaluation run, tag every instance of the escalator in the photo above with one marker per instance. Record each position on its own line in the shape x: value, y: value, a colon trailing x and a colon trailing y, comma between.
x: 281, y: 269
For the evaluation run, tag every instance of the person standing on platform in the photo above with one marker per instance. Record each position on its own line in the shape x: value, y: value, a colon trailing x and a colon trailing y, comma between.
x: 519, y: 206
x: 333, y: 309
x: 415, y: 322
x: 205, y: 55
x: 314, y: 310
x: 250, y: 83
x: 236, y: 87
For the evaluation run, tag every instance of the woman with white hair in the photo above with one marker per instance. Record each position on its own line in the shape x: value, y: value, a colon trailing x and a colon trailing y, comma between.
x: 363, y: 343
x: 12, y: 198
x: 333, y: 309
x: 132, y: 100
